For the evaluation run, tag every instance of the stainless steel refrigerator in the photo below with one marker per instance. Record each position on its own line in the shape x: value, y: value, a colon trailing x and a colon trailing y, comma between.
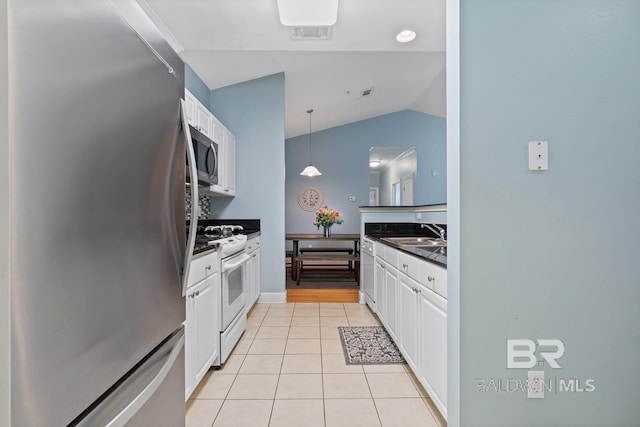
x: 97, y: 247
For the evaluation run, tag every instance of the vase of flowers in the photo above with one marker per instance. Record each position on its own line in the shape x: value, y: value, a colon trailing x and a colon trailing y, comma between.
x: 325, y: 218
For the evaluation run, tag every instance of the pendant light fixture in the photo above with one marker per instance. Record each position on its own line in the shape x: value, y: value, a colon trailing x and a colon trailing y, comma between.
x: 310, y: 170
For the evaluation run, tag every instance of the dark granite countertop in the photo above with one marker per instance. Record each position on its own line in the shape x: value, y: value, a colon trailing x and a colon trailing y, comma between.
x: 377, y: 231
x: 439, y: 207
x: 435, y: 255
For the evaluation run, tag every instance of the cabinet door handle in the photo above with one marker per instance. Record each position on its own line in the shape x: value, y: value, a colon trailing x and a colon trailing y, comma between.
x: 197, y: 293
x: 431, y: 279
x: 404, y: 266
x: 208, y: 267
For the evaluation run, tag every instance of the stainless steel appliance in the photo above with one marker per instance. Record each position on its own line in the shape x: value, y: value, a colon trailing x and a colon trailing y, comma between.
x: 97, y: 249
x: 206, y: 152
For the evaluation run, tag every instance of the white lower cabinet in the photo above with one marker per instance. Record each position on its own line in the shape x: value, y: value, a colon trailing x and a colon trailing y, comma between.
x: 381, y: 290
x: 391, y: 295
x: 253, y: 271
x: 409, y: 321
x: 432, y: 370
x: 415, y: 316
x: 202, y: 343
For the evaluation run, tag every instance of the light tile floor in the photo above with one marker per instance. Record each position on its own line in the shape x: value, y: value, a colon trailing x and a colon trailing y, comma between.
x: 288, y: 370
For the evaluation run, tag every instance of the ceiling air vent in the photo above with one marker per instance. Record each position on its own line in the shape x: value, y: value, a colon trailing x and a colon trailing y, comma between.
x: 367, y: 92
x: 311, y: 33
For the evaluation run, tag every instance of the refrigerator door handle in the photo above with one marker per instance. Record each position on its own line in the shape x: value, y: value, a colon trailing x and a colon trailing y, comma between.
x: 193, y: 173
x: 129, y: 397
x: 132, y: 408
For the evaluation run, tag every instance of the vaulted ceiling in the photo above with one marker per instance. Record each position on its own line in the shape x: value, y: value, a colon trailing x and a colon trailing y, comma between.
x: 231, y: 41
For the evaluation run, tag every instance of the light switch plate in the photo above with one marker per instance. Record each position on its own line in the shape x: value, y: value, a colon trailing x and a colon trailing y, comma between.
x: 538, y: 155
x: 535, y: 389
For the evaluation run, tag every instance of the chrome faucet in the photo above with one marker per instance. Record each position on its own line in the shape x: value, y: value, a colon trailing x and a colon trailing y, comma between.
x: 438, y: 230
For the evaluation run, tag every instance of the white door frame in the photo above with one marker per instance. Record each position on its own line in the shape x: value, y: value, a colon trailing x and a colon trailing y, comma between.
x: 453, y: 212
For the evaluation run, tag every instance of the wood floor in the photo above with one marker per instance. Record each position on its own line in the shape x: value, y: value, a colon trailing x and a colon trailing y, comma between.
x: 322, y: 295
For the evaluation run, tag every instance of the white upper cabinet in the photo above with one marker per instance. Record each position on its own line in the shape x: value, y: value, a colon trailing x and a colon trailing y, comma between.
x: 204, y: 121
x: 190, y: 104
x: 198, y: 115
x: 229, y: 164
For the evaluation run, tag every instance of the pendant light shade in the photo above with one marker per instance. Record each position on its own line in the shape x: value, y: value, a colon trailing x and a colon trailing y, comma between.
x: 310, y: 170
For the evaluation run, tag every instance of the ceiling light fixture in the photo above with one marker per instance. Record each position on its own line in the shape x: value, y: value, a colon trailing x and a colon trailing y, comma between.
x: 374, y: 163
x: 308, y: 13
x: 405, y: 36
x: 310, y: 170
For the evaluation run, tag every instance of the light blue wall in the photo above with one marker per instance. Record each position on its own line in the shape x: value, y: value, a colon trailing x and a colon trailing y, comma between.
x: 254, y: 112
x: 342, y: 155
x: 550, y: 254
x: 194, y: 84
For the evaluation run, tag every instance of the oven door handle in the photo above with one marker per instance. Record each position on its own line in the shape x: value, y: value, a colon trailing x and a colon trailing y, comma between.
x: 241, y: 260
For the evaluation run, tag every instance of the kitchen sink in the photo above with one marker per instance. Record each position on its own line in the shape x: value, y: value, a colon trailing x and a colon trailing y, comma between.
x: 428, y: 242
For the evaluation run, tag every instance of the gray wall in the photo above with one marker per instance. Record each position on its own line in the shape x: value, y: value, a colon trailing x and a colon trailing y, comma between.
x: 254, y: 112
x: 342, y: 155
x: 550, y: 254
x: 5, y: 368
x: 194, y: 84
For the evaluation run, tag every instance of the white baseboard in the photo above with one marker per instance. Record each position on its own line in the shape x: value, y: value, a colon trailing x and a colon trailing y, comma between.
x: 273, y: 297
x: 362, y: 299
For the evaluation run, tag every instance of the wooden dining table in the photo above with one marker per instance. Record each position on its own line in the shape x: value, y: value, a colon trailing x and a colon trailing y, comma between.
x: 319, y: 237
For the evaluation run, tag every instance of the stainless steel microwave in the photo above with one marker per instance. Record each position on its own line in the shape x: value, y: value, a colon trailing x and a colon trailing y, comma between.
x: 206, y: 152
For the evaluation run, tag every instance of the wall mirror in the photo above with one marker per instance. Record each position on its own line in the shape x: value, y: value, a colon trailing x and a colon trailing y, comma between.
x: 392, y: 173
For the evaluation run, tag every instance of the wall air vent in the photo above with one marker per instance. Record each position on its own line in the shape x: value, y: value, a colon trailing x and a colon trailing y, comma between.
x: 367, y: 92
x: 310, y: 33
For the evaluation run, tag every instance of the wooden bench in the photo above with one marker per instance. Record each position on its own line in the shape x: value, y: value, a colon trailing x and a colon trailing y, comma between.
x: 314, y: 250
x: 330, y: 250
x: 327, y: 257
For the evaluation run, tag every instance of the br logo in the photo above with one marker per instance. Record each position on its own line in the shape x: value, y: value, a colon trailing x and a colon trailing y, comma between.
x: 521, y: 353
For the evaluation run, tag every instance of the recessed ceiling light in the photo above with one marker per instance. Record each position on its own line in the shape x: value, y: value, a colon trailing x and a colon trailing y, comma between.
x: 374, y: 163
x: 405, y: 36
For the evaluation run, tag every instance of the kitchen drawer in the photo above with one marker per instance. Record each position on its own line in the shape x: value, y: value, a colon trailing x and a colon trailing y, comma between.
x: 410, y: 265
x: 253, y: 244
x: 390, y: 255
x: 203, y: 266
x: 434, y: 277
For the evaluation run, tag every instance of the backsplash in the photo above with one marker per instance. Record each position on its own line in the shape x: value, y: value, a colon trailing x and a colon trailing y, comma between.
x: 204, y: 201
x: 399, y: 229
